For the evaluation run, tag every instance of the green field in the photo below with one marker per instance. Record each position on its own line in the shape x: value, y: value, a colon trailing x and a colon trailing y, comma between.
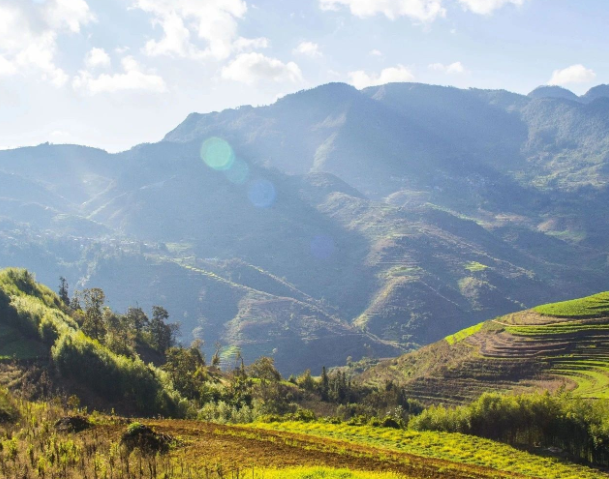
x: 465, y: 333
x: 456, y: 448
x: 591, y: 307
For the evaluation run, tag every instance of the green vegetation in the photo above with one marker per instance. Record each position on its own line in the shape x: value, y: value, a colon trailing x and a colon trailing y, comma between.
x: 474, y: 266
x: 577, y: 426
x: 326, y: 473
x: 14, y: 346
x: 457, y: 448
x: 109, y: 366
x: 42, y: 440
x: 461, y: 335
x: 562, y: 345
x: 591, y: 307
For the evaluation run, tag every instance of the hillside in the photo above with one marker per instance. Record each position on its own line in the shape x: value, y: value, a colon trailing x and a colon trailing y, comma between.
x: 41, y: 338
x: 559, y: 345
x: 376, y: 221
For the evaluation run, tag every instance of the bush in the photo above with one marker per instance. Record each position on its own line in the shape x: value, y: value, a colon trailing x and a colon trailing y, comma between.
x: 116, y: 378
x: 223, y: 413
x: 577, y: 426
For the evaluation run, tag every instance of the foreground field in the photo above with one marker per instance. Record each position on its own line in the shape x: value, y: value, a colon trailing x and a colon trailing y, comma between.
x: 462, y: 454
x: 33, y: 447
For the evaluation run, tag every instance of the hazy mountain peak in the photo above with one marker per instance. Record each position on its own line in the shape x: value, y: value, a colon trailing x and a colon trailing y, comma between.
x: 553, y: 91
x: 599, y: 91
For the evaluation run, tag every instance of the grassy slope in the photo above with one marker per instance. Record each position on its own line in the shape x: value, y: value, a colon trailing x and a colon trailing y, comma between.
x: 33, y: 326
x: 563, y: 344
x: 591, y: 307
x: 458, y: 450
x: 13, y: 345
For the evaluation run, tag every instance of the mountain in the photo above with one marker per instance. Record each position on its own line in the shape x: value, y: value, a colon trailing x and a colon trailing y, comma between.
x: 333, y: 223
x: 557, y: 345
x: 599, y: 91
x: 553, y: 91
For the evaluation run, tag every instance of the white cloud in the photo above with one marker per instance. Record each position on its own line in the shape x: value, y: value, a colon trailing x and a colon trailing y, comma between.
x: 572, y: 74
x: 418, y: 10
x: 452, y: 69
x: 309, y: 49
x: 212, y: 21
x: 6, y: 68
x: 29, y: 32
x: 486, y: 7
x: 68, y: 14
x: 252, y: 67
x: 376, y: 53
x: 242, y: 44
x: 97, y: 57
x: 360, y: 79
x: 133, y: 78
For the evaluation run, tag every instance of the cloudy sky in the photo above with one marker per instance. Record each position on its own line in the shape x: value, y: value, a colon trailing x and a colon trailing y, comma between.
x: 115, y: 73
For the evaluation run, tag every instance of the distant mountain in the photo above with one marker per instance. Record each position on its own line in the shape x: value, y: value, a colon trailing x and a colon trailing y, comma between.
x: 600, y: 91
x: 333, y: 223
x: 561, y: 345
x: 552, y: 91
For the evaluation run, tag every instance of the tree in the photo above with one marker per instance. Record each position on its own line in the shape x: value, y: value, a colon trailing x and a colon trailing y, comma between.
x: 324, y: 387
x: 162, y: 334
x: 264, y: 369
x: 93, y: 324
x: 120, y: 337
x: 306, y: 381
x: 137, y: 319
x: 63, y: 291
x: 186, y: 368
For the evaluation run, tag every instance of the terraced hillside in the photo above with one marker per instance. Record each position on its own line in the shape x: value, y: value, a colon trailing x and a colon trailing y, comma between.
x: 560, y: 345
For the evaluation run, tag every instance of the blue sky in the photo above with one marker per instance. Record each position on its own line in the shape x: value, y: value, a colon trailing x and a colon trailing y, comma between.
x: 115, y: 73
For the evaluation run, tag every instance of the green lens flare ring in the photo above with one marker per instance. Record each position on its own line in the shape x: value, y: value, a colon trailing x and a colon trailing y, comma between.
x: 217, y: 154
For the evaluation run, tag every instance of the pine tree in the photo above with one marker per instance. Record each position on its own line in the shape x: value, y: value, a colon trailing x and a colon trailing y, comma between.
x: 325, y: 384
x: 63, y: 291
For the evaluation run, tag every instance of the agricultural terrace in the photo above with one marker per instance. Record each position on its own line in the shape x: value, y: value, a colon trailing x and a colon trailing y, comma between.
x: 561, y: 345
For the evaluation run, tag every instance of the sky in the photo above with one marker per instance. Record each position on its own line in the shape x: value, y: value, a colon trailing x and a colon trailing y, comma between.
x: 116, y: 73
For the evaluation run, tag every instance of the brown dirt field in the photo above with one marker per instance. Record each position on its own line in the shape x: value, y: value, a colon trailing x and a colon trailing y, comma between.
x: 211, y: 444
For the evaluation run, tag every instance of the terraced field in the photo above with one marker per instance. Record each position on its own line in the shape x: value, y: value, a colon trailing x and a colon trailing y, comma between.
x: 551, y: 346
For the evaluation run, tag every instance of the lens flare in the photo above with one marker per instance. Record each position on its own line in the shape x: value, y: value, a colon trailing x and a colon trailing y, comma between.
x: 262, y: 193
x: 217, y: 154
x: 238, y: 172
x: 322, y: 247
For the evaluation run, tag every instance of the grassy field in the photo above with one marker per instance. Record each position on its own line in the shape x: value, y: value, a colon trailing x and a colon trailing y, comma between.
x: 463, y: 334
x: 591, y: 307
x: 453, y: 448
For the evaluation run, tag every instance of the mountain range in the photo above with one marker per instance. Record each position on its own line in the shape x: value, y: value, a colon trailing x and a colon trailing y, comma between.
x: 333, y: 223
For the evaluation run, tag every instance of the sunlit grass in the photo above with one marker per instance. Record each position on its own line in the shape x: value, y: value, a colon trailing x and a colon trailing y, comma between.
x: 590, y: 307
x: 324, y: 473
x: 463, y: 334
x: 457, y: 448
